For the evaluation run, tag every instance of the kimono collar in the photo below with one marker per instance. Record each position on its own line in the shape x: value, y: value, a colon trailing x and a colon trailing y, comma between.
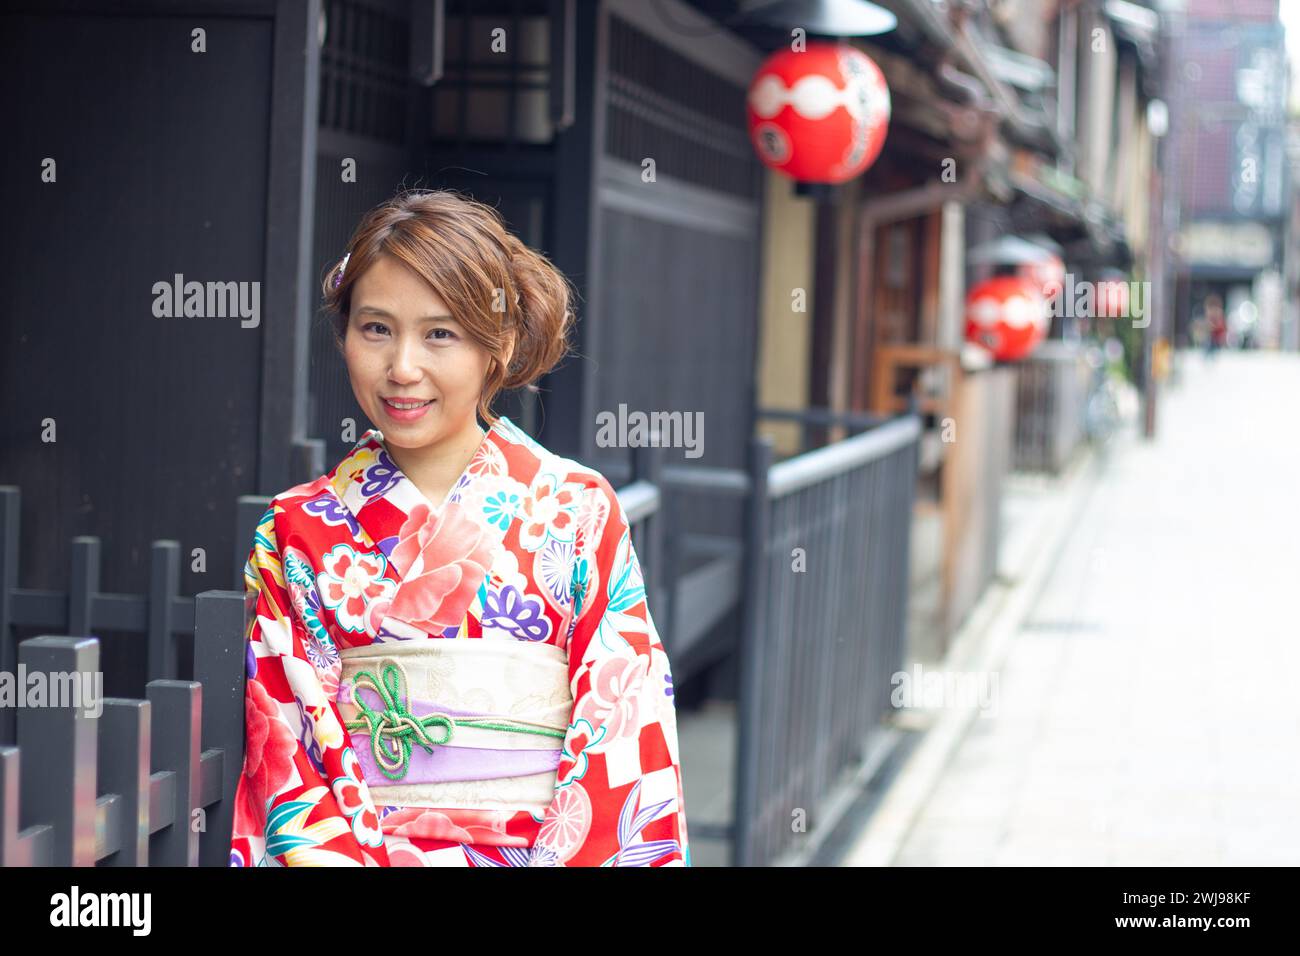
x: 380, y: 496
x: 440, y: 552
x: 368, y: 474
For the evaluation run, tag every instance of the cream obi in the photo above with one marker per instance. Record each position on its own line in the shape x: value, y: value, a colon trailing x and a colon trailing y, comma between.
x: 468, y: 723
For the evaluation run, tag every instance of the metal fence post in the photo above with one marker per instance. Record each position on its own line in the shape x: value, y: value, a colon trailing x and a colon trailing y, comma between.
x: 124, y: 771
x: 751, y: 651
x: 647, y: 466
x: 61, y: 788
x: 174, y: 745
x: 670, y: 552
x: 219, y: 666
x: 9, y: 793
x: 84, y: 584
x: 164, y: 582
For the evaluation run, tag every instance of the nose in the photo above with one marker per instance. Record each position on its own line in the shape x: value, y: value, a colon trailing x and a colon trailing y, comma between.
x: 403, y: 367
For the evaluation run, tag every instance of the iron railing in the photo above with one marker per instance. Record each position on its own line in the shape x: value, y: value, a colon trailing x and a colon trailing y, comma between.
x: 816, y: 647
x: 825, y: 624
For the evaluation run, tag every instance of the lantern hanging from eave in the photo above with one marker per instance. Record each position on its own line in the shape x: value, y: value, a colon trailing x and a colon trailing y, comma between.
x: 819, y: 115
x: 1008, y: 315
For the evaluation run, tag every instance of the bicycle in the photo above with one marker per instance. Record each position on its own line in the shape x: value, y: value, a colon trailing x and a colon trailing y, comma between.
x: 1101, y: 417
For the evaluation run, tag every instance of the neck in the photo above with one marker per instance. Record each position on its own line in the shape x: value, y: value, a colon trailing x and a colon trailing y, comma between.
x: 435, y: 468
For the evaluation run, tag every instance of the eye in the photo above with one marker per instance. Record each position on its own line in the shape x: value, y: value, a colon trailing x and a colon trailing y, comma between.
x: 377, y: 326
x: 442, y: 334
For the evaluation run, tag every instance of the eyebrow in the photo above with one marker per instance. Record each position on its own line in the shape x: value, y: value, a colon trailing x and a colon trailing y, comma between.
x: 375, y: 310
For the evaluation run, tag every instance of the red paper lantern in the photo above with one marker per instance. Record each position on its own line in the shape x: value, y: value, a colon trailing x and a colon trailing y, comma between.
x: 1007, y: 315
x: 819, y: 115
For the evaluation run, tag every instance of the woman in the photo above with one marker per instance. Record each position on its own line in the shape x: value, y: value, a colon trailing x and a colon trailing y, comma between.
x: 451, y: 662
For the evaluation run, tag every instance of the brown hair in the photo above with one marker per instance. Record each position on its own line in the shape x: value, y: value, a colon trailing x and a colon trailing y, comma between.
x: 462, y: 248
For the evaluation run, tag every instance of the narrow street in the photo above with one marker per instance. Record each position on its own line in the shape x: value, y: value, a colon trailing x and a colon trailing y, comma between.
x: 1147, y: 711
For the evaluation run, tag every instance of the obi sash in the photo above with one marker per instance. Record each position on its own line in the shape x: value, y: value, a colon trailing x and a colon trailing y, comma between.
x: 470, y: 723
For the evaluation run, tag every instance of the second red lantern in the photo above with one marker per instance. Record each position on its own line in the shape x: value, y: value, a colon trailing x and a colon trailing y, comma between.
x: 819, y: 115
x: 1007, y: 315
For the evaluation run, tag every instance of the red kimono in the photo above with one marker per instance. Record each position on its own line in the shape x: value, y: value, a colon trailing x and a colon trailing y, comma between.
x: 527, y: 547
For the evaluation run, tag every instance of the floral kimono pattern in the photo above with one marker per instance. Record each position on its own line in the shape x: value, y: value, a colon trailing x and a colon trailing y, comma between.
x: 528, y: 546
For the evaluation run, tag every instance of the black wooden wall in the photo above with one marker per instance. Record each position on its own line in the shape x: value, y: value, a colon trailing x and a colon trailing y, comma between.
x: 162, y: 158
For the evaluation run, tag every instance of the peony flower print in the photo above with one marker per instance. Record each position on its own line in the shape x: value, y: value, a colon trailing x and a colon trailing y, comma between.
x: 268, y: 758
x: 615, y: 696
x: 443, y: 557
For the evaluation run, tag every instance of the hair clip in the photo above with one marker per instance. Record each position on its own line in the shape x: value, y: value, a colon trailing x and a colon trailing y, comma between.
x: 339, y: 276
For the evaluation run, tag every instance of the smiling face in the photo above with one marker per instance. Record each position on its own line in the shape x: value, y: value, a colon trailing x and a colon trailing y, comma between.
x: 403, y: 348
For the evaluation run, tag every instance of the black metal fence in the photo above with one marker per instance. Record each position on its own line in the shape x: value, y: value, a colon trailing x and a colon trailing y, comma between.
x: 821, y: 631
x: 825, y: 623
x: 110, y: 780
x: 142, y: 783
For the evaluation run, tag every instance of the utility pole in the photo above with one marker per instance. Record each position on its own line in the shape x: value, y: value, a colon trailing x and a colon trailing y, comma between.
x: 1164, y: 192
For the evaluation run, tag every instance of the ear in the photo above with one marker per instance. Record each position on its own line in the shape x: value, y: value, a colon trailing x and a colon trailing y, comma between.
x: 509, y: 350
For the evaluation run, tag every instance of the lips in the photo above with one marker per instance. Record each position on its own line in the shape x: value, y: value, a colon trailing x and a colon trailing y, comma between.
x: 406, y: 411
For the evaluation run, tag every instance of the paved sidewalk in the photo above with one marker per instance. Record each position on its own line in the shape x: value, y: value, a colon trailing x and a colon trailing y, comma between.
x: 1147, y: 711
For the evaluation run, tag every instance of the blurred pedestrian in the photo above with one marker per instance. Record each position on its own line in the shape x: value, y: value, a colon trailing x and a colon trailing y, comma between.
x: 1216, y: 324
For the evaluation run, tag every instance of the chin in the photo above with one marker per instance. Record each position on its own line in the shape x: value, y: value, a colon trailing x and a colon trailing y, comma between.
x: 397, y: 439
x: 430, y: 429
x: 408, y: 435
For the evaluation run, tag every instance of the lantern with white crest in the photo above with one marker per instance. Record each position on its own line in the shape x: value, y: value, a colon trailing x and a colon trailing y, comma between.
x: 1008, y: 315
x: 820, y: 114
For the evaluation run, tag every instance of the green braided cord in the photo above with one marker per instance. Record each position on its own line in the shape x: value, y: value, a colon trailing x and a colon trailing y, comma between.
x: 514, y: 726
x: 392, y: 729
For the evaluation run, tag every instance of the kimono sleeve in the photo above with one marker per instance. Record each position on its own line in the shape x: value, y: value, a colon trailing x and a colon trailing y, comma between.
x: 300, y: 800
x: 618, y: 798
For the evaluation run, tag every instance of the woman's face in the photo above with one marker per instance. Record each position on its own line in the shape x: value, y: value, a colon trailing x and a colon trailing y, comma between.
x: 402, y: 346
